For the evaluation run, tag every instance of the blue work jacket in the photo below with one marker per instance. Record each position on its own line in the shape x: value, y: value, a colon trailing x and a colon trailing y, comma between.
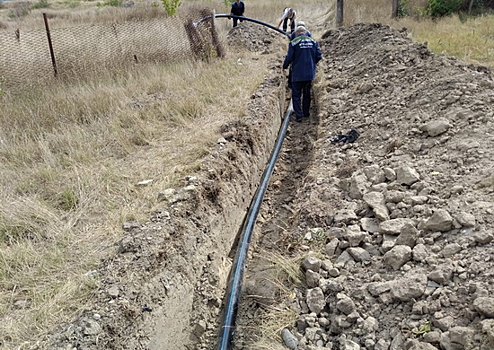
x: 292, y: 36
x: 303, y: 54
x: 238, y: 9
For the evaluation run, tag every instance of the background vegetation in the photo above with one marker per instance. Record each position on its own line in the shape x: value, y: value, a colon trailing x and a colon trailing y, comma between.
x: 72, y: 154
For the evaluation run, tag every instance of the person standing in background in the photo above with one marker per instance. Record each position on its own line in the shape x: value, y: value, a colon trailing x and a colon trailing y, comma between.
x: 289, y: 14
x: 238, y: 9
x: 303, y: 55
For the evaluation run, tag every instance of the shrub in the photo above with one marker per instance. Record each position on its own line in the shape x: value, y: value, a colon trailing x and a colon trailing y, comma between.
x: 171, y: 6
x: 115, y: 3
x: 402, y: 10
x: 441, y: 8
x: 41, y: 4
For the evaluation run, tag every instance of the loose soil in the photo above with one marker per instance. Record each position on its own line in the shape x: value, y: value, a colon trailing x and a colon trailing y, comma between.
x: 425, y: 148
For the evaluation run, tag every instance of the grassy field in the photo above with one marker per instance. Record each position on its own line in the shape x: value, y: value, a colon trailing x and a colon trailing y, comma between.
x: 73, y: 153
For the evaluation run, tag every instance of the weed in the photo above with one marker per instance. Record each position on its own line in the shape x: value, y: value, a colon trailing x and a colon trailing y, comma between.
x: 171, y: 6
x: 41, y: 4
x: 114, y: 3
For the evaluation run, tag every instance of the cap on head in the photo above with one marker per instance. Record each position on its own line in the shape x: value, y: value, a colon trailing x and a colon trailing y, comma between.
x: 301, y: 24
x: 300, y: 29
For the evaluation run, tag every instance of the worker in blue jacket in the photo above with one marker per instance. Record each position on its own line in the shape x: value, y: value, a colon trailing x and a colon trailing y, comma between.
x: 238, y: 9
x: 303, y: 55
x: 300, y: 24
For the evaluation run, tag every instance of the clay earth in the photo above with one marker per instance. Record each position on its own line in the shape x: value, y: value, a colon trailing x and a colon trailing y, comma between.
x: 392, y: 234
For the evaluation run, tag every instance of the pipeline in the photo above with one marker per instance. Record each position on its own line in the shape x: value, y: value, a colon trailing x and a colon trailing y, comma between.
x: 245, y: 19
x: 233, y: 295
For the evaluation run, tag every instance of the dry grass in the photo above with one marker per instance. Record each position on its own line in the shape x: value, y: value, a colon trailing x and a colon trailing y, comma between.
x: 287, y: 273
x: 70, y: 162
x: 468, y: 39
x: 71, y: 155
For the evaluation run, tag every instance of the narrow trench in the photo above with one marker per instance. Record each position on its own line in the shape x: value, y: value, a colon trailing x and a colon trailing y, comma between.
x: 277, y: 229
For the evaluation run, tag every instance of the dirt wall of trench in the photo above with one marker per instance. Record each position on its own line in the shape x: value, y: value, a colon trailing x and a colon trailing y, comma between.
x: 164, y: 286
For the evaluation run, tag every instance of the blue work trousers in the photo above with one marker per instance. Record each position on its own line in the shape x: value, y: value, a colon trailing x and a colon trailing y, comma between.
x: 301, y: 98
x: 292, y: 25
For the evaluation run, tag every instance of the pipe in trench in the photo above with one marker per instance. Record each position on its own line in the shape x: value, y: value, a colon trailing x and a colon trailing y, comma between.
x: 233, y: 294
x: 245, y: 19
x: 238, y: 269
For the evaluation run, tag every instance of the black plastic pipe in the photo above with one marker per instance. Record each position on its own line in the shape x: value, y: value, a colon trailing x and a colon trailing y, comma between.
x: 238, y: 268
x: 245, y: 19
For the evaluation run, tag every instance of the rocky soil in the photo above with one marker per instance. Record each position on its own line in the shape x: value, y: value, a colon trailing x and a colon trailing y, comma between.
x: 394, y: 231
x: 398, y: 225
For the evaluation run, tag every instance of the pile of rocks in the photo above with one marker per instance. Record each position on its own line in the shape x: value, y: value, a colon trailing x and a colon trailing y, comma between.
x: 409, y: 259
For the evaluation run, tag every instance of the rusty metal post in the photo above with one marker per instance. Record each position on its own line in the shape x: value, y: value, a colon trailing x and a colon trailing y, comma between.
x: 339, y: 13
x: 395, y: 7
x: 52, y: 54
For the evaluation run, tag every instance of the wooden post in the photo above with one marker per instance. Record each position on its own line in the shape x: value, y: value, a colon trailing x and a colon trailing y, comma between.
x: 339, y: 13
x: 52, y: 54
x: 394, y: 10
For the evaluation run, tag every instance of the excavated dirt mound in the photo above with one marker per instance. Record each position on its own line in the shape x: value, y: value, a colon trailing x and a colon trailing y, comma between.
x: 395, y: 228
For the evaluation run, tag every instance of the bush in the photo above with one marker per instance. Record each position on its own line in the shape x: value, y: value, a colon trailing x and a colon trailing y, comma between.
x: 441, y: 8
x: 402, y: 10
x: 115, y: 3
x: 171, y: 6
x: 41, y: 4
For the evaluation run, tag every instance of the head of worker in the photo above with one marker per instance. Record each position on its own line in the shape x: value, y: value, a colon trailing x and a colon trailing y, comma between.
x: 301, y: 24
x: 300, y: 31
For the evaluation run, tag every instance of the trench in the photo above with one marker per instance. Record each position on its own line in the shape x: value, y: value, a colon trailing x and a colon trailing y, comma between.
x: 277, y: 232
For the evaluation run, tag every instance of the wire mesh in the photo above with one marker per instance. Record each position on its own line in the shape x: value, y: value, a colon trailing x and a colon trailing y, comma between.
x: 25, y: 56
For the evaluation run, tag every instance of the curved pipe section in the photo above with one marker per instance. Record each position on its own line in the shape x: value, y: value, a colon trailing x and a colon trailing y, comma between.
x: 245, y: 19
x: 233, y: 295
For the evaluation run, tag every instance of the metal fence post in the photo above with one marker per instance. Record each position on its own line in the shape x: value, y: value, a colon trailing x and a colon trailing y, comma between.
x: 339, y: 13
x: 52, y: 54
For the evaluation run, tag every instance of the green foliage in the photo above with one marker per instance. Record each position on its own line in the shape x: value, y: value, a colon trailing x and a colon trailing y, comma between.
x: 171, y: 6
x: 72, y: 4
x: 441, y: 8
x: 41, y: 4
x: 115, y: 3
x: 154, y: 4
x: 402, y: 10
x: 227, y: 3
x: 67, y: 199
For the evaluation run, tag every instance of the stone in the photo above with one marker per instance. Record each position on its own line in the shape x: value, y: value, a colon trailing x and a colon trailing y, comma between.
x: 406, y: 175
x: 482, y: 237
x: 394, y: 226
x: 398, y: 256
x: 411, y: 287
x: 451, y: 249
x: 484, y: 306
x: 315, y: 300
x: 370, y: 225
x: 408, y: 236
x: 312, y: 278
x: 345, y: 305
x: 359, y: 254
x: 436, y: 127
x: 311, y: 263
x: 420, y: 253
x: 465, y: 219
x: 290, y: 341
x: 461, y: 337
x: 375, y: 200
x: 440, y: 221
